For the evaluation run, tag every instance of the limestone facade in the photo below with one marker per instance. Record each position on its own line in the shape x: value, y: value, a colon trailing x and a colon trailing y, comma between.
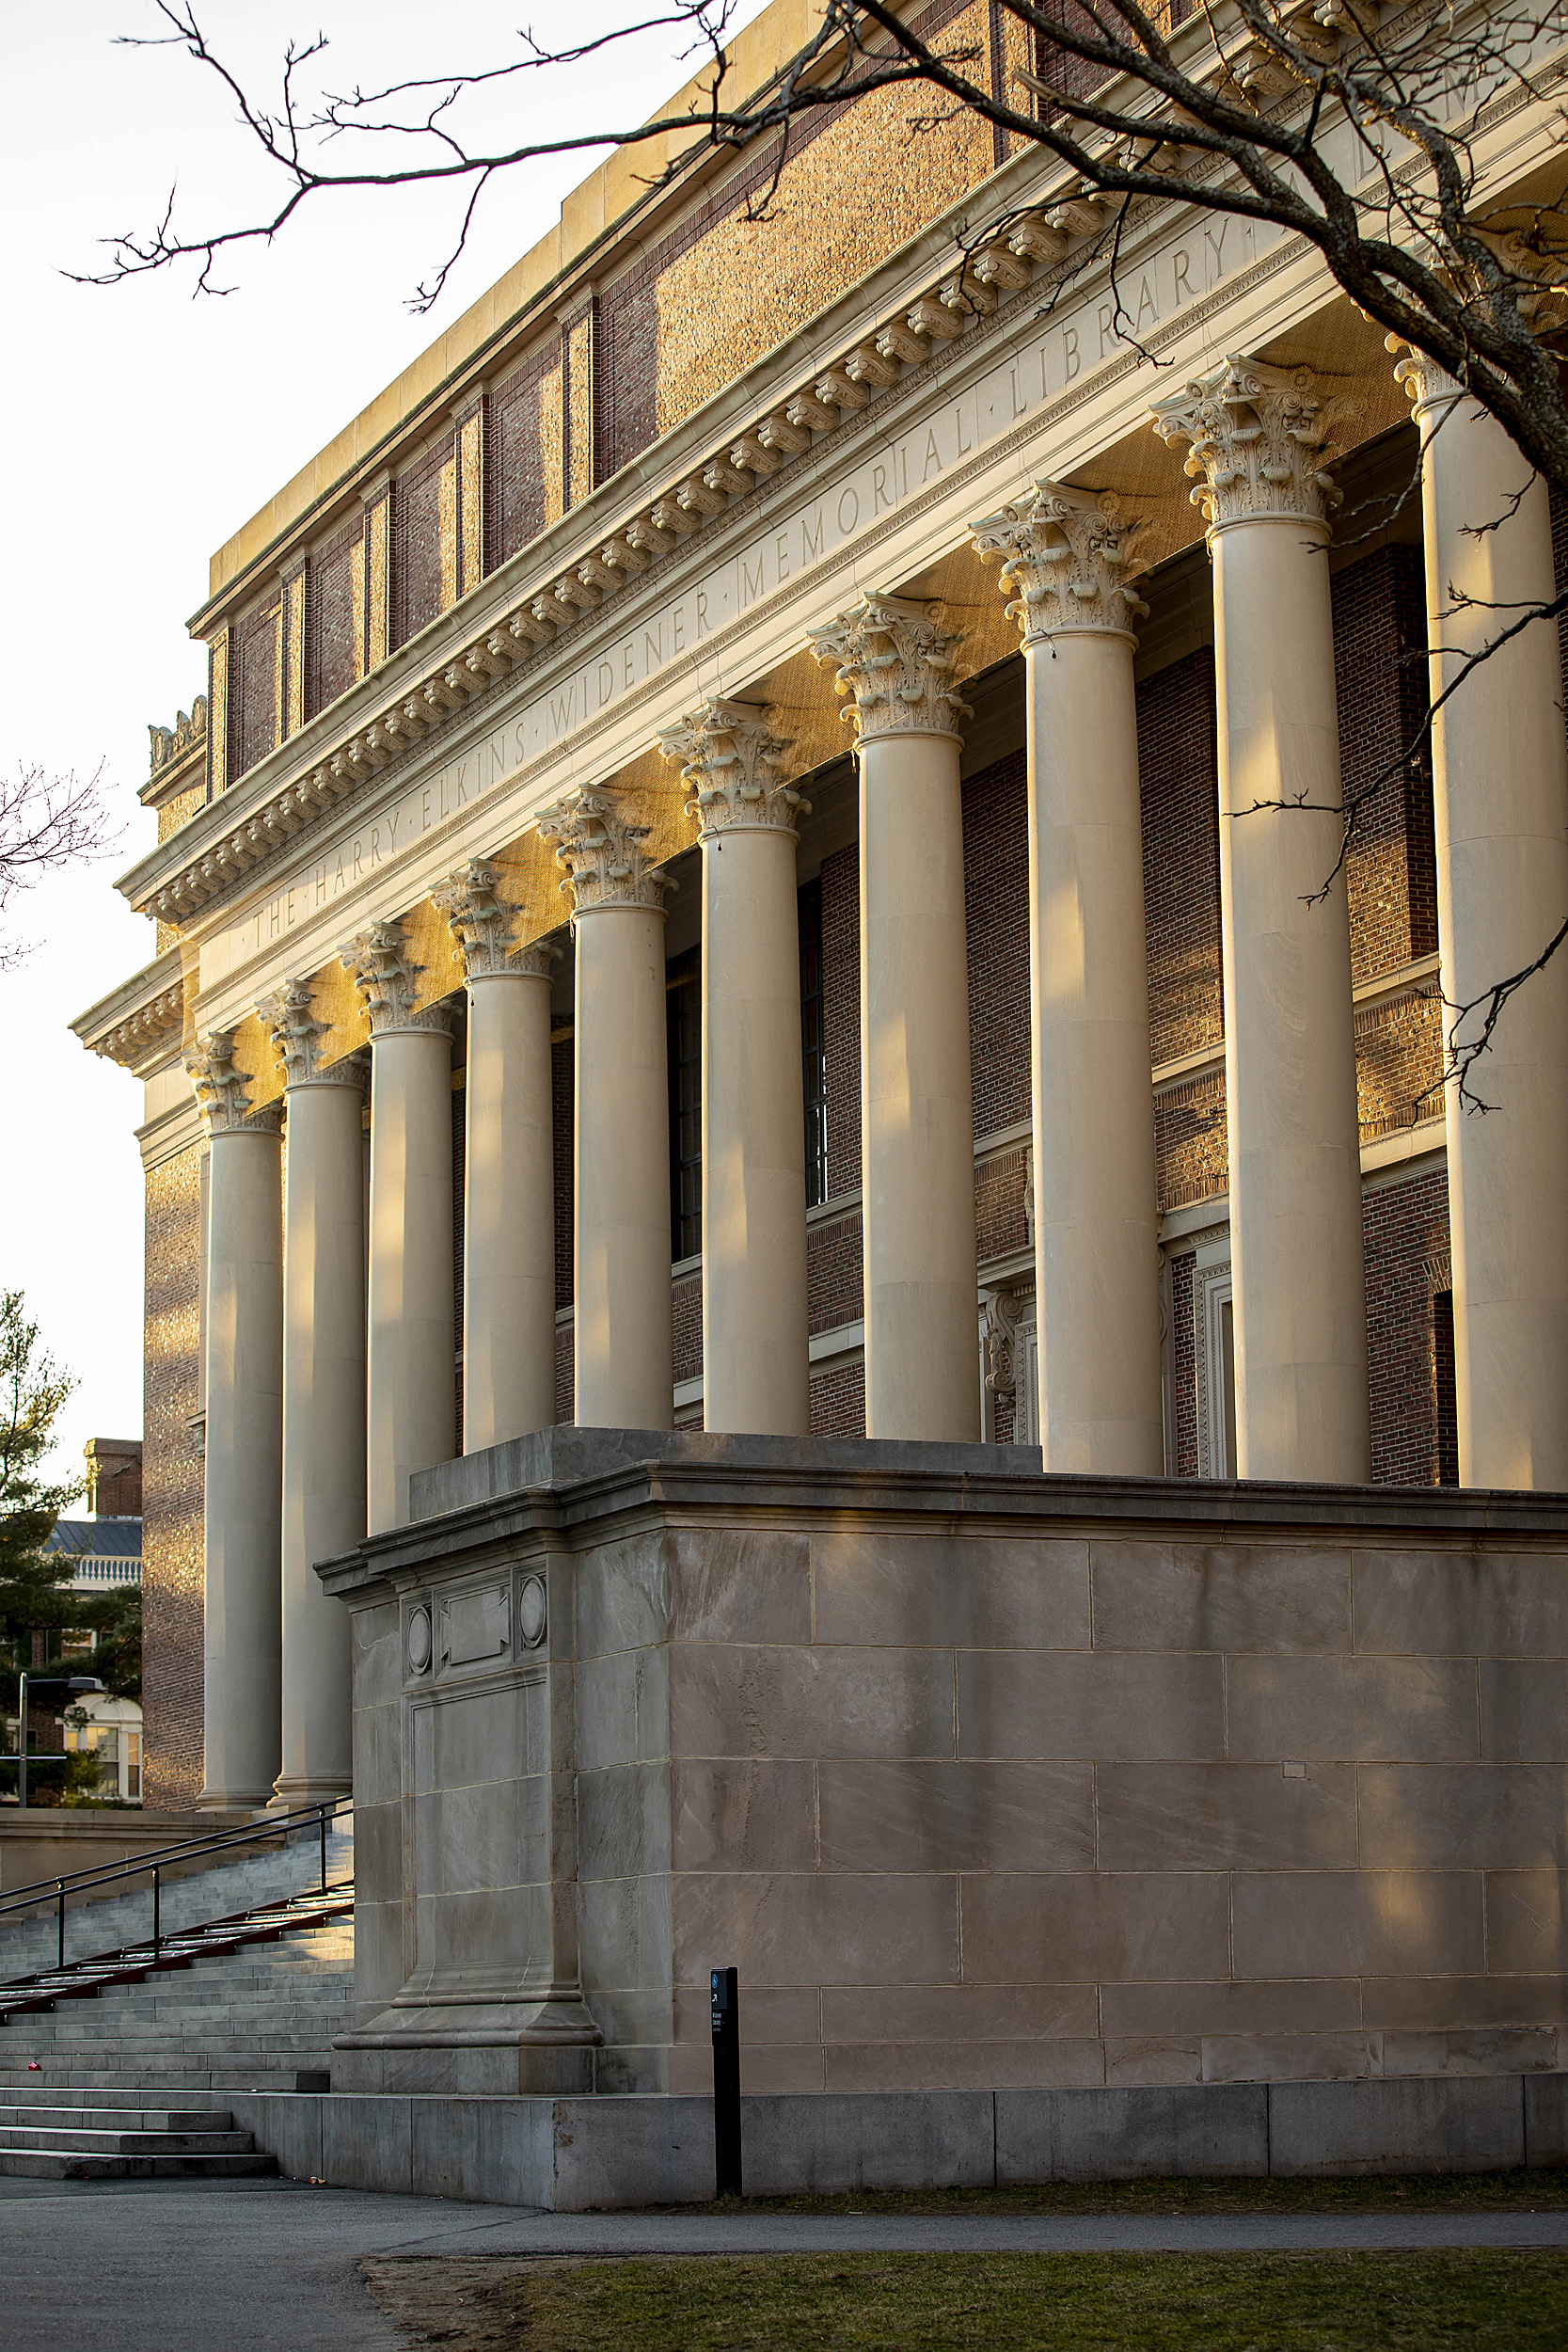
x: 522, y: 779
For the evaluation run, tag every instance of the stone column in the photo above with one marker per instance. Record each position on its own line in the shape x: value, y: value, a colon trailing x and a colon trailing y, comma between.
x: 242, y: 1626
x: 411, y: 1399
x: 1258, y: 443
x: 323, y: 1391
x: 508, y: 1170
x: 622, y: 1349
x: 917, y: 1156
x: 1066, y: 554
x: 1501, y: 794
x: 755, y: 1364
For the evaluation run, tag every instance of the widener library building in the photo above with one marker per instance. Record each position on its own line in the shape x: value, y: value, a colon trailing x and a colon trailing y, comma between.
x: 809, y: 1304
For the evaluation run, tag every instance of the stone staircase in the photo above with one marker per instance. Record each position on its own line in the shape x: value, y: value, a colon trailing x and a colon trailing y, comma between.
x: 91, y: 2136
x: 226, y: 2010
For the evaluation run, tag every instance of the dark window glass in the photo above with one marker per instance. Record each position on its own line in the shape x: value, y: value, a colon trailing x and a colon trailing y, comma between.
x: 814, y: 1043
x: 684, y: 1010
x: 1448, y: 1393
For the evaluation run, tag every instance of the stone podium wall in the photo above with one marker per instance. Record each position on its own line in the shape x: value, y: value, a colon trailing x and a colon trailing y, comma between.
x: 981, y: 1779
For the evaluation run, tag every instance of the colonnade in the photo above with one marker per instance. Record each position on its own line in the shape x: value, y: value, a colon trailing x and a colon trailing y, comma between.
x: 323, y: 1397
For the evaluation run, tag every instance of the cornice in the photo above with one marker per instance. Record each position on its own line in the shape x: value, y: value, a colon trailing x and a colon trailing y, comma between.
x: 139, y: 1023
x: 503, y: 630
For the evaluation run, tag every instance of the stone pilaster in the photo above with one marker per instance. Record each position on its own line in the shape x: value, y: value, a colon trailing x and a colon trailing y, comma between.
x: 622, y: 1347
x: 755, y: 1369
x: 411, y: 1394
x: 1259, y: 441
x: 244, y: 1374
x: 507, y: 1168
x: 1066, y: 556
x: 1501, y: 804
x: 895, y: 659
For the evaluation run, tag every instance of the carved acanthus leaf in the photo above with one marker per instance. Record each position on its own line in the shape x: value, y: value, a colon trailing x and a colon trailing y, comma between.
x: 1068, y: 555
x: 1259, y: 441
x: 481, y: 920
x: 896, y: 660
x: 290, y: 1020
x: 735, y: 767
x: 601, y: 849
x: 1426, y: 381
x: 387, y: 980
x: 221, y: 1090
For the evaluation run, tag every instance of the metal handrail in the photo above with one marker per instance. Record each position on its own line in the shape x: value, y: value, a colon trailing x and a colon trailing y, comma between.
x: 253, y: 1832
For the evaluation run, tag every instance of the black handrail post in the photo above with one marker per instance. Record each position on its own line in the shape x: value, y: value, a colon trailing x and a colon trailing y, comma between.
x: 60, y: 1885
x: 726, y: 2082
x: 323, y: 1847
x: 157, y: 1933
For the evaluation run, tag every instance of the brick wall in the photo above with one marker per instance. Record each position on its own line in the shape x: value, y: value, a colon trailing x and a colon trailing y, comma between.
x: 1379, y: 631
x: 838, y: 1403
x: 1191, y: 1160
x: 1000, y: 1225
x: 996, y: 914
x: 172, y: 1534
x: 841, y: 1015
x: 834, y: 1272
x: 685, y: 1326
x: 514, y: 510
x: 1405, y: 1236
x: 752, y: 261
x: 563, y: 1087
x: 334, y: 650
x: 1399, y: 1063
x: 417, y: 551
x: 1184, y: 1366
x: 253, y: 691
x: 1179, y: 779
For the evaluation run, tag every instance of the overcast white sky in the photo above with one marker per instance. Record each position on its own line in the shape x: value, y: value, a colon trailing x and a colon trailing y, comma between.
x: 143, y: 428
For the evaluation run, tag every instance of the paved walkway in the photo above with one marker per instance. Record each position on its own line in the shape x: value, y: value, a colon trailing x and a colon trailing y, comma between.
x: 269, y: 2265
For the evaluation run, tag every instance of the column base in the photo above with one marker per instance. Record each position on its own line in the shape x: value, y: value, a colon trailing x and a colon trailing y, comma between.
x: 292, y: 1795
x: 490, y: 2048
x: 234, y: 1800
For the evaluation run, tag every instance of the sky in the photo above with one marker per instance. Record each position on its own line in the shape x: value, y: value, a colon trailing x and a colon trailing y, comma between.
x: 145, y: 425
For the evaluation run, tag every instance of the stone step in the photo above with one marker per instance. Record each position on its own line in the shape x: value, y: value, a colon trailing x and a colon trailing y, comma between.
x: 62, y: 2110
x: 35, y: 2164
x: 93, y: 2138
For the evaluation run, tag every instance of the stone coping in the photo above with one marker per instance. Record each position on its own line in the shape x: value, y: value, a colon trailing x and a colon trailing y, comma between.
x: 566, y: 1478
x: 576, y: 2154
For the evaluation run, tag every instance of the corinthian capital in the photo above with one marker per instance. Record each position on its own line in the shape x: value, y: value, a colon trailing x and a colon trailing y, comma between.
x: 601, y: 850
x: 290, y: 1020
x: 221, y: 1090
x: 735, y: 767
x: 1259, y: 441
x: 1067, y: 554
x: 1427, y: 383
x: 387, y: 980
x: 897, y: 659
x: 481, y: 921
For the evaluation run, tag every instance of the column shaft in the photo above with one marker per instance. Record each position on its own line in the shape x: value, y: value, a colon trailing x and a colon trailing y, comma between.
x: 323, y: 1425
x: 1097, y: 1252
x: 411, y: 1387
x: 1068, y: 555
x: 509, y: 1213
x: 1293, y: 1131
x: 755, y: 1353
x: 244, y: 1467
x: 1500, y: 778
x: 917, y: 1150
x: 624, y: 1357
x: 1260, y: 435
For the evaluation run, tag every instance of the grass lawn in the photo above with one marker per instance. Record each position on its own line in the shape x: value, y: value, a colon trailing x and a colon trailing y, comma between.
x: 1415, y: 2192
x: 1482, y: 2301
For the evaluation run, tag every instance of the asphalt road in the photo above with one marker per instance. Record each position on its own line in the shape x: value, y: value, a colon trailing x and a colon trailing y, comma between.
x: 269, y: 2265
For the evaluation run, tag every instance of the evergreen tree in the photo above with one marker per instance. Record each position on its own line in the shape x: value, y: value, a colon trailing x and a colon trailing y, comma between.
x: 34, y: 1585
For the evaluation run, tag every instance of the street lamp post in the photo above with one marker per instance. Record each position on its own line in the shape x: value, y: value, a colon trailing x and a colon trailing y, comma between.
x: 75, y: 1686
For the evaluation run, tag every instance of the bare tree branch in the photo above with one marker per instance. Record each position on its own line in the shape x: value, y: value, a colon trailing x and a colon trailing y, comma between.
x: 46, y: 822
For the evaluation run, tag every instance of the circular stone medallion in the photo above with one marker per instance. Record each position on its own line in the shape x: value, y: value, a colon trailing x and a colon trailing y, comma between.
x: 418, y: 1641
x: 531, y: 1611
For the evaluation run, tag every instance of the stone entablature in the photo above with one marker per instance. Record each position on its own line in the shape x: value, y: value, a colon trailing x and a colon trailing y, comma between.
x: 139, y: 1024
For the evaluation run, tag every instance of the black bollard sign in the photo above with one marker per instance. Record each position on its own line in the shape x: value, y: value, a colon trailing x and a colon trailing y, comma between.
x: 726, y: 2083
